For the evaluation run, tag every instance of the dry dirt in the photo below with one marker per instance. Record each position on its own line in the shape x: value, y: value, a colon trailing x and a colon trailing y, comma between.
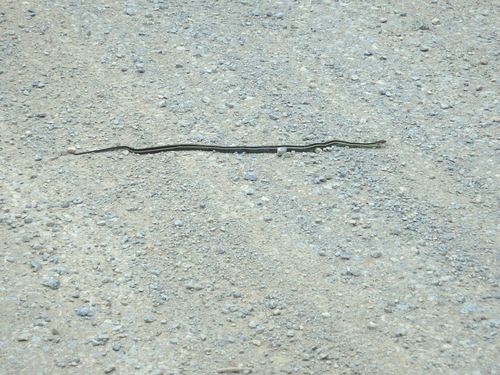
x: 352, y: 261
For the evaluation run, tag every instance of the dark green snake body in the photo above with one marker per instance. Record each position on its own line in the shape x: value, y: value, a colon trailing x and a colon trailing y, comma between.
x: 240, y: 149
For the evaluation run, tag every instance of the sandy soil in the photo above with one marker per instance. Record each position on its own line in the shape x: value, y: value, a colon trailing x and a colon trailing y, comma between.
x: 352, y: 261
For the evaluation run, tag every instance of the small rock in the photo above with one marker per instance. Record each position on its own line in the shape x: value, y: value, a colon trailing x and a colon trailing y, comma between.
x: 424, y: 48
x: 323, y: 356
x: 24, y: 336
x: 281, y: 151
x: 84, y: 311
x: 52, y: 283
x: 401, y: 332
x: 477, y: 199
x: 35, y: 266
x: 250, y: 176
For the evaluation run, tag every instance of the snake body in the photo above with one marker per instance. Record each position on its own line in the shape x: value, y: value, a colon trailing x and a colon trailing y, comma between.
x: 240, y: 149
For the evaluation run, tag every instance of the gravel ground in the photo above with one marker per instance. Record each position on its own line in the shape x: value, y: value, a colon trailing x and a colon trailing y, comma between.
x: 352, y: 261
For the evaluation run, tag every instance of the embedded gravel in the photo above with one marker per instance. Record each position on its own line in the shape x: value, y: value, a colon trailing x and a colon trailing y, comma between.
x: 351, y: 261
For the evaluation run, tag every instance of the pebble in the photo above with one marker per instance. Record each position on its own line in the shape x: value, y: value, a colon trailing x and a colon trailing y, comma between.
x: 84, y: 311
x: 250, y: 176
x: 35, y: 266
x: 52, y: 283
x: 25, y: 336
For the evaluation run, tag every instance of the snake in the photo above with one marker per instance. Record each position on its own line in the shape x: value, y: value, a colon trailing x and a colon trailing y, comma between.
x: 239, y: 149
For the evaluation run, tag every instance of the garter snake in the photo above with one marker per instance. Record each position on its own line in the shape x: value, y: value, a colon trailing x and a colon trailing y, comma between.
x: 240, y: 149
